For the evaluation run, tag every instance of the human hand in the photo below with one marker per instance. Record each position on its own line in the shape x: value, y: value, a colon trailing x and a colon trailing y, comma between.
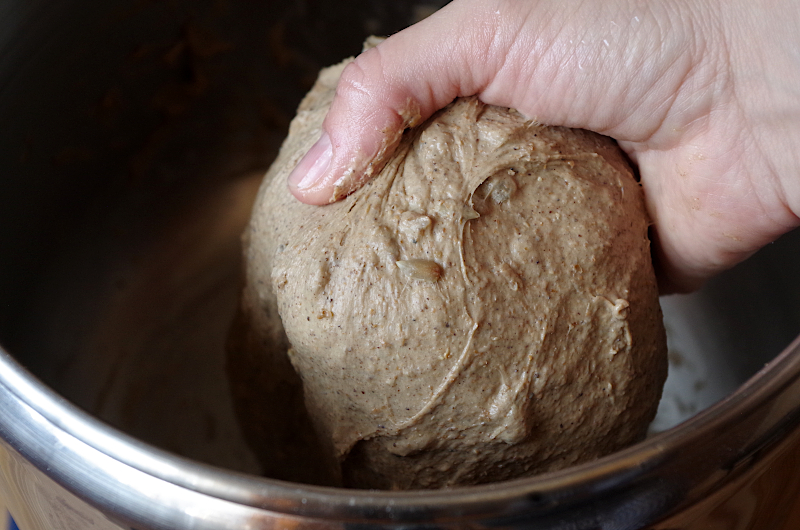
x: 704, y: 97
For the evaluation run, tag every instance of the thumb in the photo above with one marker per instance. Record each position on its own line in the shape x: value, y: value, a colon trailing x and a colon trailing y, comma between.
x: 388, y: 88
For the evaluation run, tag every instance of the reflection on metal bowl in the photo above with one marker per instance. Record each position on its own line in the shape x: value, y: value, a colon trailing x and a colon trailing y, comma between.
x: 134, y: 137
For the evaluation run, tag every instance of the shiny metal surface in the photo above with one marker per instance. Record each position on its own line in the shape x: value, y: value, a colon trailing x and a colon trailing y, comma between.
x: 133, y: 139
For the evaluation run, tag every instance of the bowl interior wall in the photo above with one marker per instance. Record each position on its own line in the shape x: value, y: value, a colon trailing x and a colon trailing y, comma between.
x: 132, y: 145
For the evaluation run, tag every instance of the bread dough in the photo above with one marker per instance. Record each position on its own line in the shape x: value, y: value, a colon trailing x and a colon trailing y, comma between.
x: 485, y: 308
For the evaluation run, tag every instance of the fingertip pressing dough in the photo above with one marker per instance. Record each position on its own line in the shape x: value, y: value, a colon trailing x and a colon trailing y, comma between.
x: 485, y: 308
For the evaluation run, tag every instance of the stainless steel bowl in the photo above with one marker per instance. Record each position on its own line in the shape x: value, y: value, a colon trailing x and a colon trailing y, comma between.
x: 134, y: 136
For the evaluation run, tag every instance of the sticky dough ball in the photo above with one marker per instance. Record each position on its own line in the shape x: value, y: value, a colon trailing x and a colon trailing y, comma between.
x: 484, y: 309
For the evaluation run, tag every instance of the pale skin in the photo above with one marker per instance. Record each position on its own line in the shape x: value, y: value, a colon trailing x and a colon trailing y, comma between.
x: 703, y: 96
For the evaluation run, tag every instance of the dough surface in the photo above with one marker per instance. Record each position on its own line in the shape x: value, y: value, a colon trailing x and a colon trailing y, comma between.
x: 485, y: 308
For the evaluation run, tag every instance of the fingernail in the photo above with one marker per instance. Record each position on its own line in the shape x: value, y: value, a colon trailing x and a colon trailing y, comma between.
x: 314, y: 165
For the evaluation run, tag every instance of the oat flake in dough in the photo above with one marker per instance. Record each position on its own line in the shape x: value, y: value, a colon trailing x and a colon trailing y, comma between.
x: 485, y: 308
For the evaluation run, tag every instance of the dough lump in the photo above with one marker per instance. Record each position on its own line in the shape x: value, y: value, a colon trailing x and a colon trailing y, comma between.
x: 485, y: 308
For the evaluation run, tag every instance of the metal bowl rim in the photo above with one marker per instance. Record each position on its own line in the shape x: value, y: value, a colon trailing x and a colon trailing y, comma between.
x: 284, y: 497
